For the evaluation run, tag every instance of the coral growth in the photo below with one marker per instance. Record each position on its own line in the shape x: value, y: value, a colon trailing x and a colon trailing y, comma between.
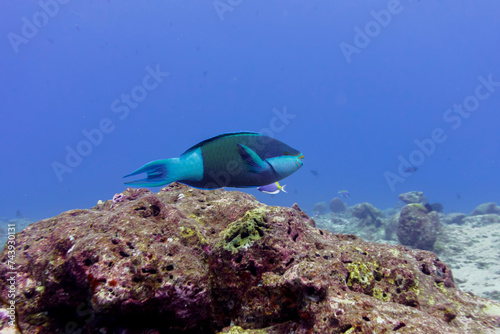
x: 320, y: 208
x: 196, y: 261
x: 417, y: 227
x: 412, y: 197
x: 486, y: 208
x: 337, y: 205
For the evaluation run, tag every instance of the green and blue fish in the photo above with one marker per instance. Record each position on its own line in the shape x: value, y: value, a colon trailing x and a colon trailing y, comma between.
x: 239, y: 159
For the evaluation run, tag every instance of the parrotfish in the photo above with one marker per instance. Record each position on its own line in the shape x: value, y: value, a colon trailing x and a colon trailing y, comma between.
x: 344, y: 193
x: 272, y: 188
x: 239, y: 159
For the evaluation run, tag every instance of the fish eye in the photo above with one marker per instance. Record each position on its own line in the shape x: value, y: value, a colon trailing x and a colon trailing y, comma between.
x: 286, y: 153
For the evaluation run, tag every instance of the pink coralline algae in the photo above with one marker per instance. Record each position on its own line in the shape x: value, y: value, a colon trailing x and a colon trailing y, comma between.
x: 117, y: 198
x: 197, y: 261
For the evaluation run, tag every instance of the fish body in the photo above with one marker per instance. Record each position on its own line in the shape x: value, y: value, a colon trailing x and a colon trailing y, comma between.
x: 272, y: 188
x: 239, y: 159
x: 344, y: 193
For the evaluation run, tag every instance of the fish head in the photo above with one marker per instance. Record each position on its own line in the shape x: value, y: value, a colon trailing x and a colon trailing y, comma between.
x: 286, y: 164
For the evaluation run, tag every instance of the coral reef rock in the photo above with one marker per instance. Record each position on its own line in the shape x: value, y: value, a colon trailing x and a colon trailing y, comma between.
x: 412, y: 197
x: 391, y: 227
x: 337, y: 205
x: 417, y: 228
x: 320, y: 208
x: 486, y: 208
x: 368, y: 214
x: 186, y: 260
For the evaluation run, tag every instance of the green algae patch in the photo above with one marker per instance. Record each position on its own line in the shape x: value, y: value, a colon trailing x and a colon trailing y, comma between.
x: 431, y: 300
x: 244, y: 232
x: 186, y: 232
x: 379, y: 294
x: 440, y: 287
x: 419, y: 207
x: 361, y: 272
x: 492, y: 309
x: 192, y: 236
x: 240, y: 330
x: 196, y: 218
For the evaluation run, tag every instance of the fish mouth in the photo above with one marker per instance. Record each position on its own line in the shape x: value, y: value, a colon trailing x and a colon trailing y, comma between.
x: 301, y: 156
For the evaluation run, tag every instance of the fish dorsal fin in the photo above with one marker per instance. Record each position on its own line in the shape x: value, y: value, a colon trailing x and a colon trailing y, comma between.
x: 253, y: 161
x: 221, y: 136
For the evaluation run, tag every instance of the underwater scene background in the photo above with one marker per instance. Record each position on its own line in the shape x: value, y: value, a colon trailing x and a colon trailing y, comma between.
x: 394, y: 104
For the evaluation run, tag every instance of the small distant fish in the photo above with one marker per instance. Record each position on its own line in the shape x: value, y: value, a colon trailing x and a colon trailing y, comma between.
x: 272, y: 188
x: 411, y: 169
x: 344, y: 193
x: 205, y: 73
x: 459, y: 196
x: 314, y: 172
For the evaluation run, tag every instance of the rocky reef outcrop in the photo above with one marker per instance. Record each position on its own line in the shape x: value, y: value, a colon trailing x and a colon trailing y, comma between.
x: 194, y: 261
x: 486, y: 208
x: 417, y: 227
x: 413, y: 197
x: 320, y: 208
x: 337, y: 205
x: 368, y: 214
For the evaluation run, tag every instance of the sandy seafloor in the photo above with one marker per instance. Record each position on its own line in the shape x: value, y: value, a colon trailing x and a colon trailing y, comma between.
x: 471, y: 250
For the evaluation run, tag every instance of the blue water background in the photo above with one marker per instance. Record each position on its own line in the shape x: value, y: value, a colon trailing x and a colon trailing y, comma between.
x: 233, y: 71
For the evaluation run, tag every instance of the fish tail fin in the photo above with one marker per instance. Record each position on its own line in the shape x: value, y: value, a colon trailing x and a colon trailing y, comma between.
x: 159, y: 173
x: 283, y: 188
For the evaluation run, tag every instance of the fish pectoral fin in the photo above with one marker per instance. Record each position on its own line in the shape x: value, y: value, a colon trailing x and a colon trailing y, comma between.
x: 252, y: 160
